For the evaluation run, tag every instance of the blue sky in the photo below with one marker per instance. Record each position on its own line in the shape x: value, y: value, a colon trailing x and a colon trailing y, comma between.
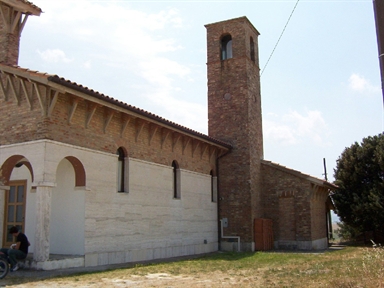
x: 320, y: 90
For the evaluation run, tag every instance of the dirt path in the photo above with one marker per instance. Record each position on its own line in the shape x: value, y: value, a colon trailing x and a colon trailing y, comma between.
x: 150, y: 280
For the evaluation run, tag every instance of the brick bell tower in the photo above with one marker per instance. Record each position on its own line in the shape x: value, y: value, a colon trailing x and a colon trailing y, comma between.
x: 234, y: 115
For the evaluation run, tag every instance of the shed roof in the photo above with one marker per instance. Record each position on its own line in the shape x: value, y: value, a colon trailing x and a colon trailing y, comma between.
x: 299, y: 174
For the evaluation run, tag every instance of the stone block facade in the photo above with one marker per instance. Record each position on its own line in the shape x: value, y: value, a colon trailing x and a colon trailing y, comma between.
x: 108, y: 227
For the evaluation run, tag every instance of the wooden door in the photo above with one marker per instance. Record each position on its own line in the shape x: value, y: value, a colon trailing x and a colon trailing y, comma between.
x: 15, y: 199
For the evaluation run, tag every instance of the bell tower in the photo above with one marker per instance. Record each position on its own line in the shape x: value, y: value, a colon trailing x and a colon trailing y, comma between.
x: 234, y: 116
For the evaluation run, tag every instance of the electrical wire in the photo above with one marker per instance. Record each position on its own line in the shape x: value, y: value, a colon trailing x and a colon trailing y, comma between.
x: 281, y: 35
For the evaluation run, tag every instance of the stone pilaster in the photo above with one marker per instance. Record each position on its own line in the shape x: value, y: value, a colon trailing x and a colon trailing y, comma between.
x: 43, y: 215
x: 2, y: 204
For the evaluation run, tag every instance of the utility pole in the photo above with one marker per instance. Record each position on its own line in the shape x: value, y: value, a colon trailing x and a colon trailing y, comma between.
x: 325, y: 170
x: 378, y: 8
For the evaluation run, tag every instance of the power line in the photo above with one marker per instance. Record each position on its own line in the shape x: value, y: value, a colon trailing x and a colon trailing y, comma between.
x: 281, y: 35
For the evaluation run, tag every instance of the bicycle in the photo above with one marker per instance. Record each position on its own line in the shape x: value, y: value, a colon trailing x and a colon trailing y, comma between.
x: 4, y: 266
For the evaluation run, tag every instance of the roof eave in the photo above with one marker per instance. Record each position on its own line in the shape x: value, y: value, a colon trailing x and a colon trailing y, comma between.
x: 63, y: 82
x: 25, y: 7
x: 310, y: 178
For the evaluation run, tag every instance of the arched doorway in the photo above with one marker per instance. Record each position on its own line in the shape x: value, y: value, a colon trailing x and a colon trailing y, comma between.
x: 67, y: 223
x: 16, y: 175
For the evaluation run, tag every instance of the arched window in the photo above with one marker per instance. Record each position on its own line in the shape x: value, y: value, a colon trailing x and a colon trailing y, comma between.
x: 176, y: 180
x: 252, y: 45
x: 226, y: 47
x: 121, y: 170
x: 213, y: 187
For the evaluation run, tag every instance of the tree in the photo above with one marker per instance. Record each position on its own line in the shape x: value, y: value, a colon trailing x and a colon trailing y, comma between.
x: 359, y: 174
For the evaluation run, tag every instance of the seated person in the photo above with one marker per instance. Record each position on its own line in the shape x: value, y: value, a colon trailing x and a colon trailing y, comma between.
x: 19, y: 250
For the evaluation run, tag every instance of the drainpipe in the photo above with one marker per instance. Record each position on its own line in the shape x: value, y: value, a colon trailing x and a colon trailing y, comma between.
x: 218, y: 196
x: 218, y: 199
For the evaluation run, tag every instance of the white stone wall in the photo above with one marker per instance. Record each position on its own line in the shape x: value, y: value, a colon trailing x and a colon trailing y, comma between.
x: 147, y: 222
x: 110, y: 227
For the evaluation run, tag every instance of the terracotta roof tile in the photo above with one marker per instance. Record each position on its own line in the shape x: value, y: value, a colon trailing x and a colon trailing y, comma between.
x: 299, y: 174
x: 45, y: 77
x: 24, y: 3
x: 31, y: 4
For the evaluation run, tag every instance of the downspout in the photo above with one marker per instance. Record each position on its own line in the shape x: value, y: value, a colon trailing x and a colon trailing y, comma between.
x: 221, y: 236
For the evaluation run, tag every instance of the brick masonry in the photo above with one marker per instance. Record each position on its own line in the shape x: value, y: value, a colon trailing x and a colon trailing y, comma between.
x: 234, y: 113
x: 296, y: 206
x: 247, y: 189
x: 9, y: 40
x: 141, y: 139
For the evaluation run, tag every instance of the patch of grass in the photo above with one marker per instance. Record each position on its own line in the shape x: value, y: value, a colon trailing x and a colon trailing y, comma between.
x: 351, y: 267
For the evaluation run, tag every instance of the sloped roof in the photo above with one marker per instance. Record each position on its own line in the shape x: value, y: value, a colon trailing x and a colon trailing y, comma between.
x: 24, y: 6
x: 310, y: 178
x: 54, y: 80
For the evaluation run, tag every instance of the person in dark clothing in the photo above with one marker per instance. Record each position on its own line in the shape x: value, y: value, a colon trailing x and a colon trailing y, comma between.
x: 19, y: 250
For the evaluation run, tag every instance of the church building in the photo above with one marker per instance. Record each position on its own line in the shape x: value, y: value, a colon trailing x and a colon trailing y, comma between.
x: 94, y: 181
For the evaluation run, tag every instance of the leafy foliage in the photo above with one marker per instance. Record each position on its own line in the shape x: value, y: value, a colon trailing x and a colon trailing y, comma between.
x: 346, y: 232
x: 359, y: 174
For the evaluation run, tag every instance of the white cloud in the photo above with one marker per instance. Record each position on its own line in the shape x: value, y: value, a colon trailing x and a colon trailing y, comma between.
x: 131, y: 39
x: 360, y: 84
x: 279, y: 132
x: 54, y: 56
x: 87, y: 64
x: 293, y: 128
x: 135, y: 42
x: 159, y: 70
x: 129, y: 31
x: 165, y: 92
